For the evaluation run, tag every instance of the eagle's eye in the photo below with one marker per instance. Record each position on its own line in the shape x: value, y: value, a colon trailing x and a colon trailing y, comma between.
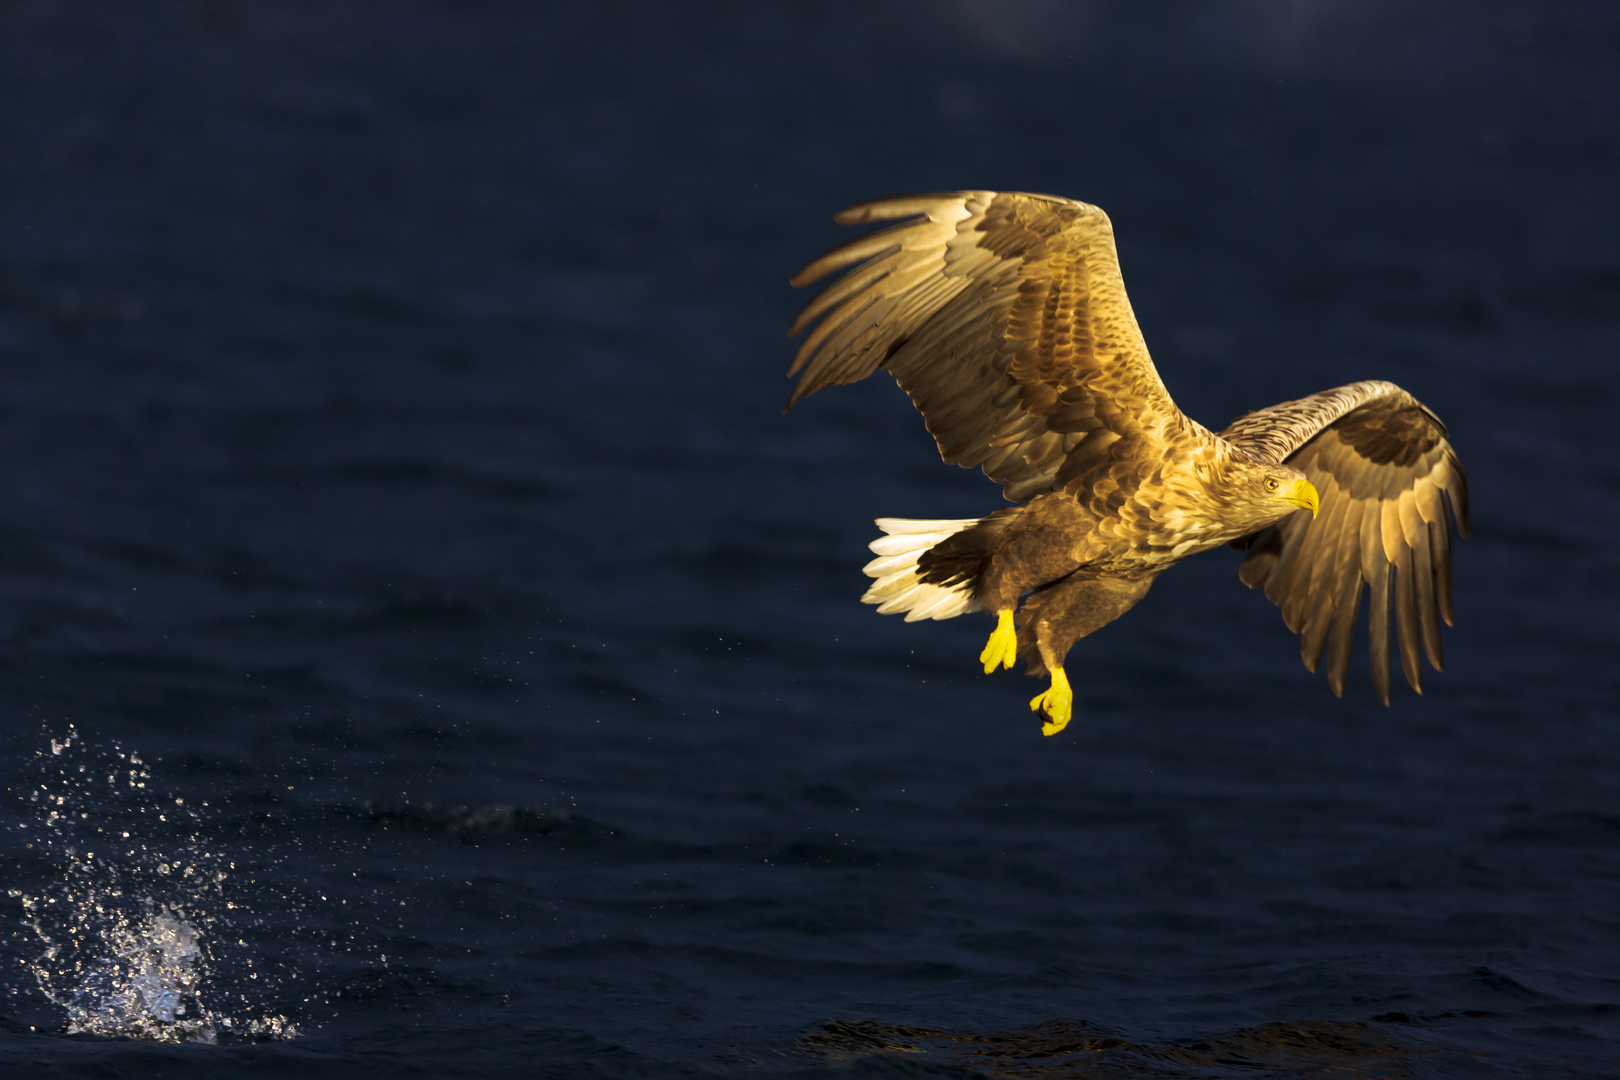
x: 1272, y: 484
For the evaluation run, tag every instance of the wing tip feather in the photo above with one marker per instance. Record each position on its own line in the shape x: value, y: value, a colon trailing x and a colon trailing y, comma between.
x: 891, y: 207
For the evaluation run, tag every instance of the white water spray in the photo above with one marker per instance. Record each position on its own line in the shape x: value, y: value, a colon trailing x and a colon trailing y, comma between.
x: 125, y: 921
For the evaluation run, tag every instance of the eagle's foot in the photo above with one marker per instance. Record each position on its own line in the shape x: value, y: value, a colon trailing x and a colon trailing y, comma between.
x: 1057, y: 702
x: 1002, y: 648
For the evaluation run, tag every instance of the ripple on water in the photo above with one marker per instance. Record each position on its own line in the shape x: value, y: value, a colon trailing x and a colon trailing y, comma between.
x: 1059, y: 1049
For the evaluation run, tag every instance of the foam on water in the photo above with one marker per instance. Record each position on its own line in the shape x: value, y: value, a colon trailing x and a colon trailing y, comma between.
x: 133, y: 908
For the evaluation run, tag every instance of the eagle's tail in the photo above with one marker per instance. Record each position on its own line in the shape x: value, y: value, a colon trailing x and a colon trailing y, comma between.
x: 898, y: 586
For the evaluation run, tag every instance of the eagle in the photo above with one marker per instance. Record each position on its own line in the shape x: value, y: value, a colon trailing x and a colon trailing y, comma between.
x: 1004, y: 316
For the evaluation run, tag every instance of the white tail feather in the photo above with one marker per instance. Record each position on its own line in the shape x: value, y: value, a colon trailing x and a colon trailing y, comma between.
x: 897, y: 588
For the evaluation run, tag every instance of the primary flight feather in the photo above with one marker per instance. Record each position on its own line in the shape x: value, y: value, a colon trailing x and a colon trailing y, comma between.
x: 1004, y: 316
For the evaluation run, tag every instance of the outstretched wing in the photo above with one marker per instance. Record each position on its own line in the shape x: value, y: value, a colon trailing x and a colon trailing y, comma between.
x: 1386, y: 477
x: 1004, y: 316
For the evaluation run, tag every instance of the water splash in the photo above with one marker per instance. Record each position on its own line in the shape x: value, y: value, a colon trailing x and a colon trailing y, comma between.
x: 132, y: 907
x: 146, y: 988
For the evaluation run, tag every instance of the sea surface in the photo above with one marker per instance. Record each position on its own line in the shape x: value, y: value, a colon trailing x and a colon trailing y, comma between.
x: 426, y: 649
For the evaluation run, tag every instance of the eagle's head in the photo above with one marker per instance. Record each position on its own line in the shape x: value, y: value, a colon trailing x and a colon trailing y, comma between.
x: 1260, y: 493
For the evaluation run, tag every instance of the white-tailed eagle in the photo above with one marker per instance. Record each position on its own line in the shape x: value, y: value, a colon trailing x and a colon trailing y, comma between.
x: 1005, y: 318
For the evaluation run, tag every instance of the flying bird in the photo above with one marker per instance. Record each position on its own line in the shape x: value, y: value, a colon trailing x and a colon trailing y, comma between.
x: 1004, y: 316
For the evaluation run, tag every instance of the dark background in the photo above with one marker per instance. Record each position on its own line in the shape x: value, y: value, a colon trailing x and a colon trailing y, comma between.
x: 391, y: 456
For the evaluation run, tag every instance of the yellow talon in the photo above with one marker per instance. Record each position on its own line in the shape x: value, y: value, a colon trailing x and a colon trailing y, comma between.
x: 1002, y: 648
x: 1058, y: 703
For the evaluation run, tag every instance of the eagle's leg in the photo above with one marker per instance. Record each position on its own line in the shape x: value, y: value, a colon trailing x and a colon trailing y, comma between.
x: 1057, y: 701
x: 1002, y: 648
x: 1055, y: 617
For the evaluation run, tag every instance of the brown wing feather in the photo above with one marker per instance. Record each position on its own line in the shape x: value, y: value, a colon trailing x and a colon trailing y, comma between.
x: 1004, y: 316
x: 1389, y: 484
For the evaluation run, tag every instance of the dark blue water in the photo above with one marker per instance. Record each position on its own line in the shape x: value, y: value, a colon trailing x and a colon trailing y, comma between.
x: 425, y: 649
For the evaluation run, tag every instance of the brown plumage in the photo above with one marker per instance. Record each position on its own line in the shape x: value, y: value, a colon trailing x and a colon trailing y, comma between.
x: 1004, y: 317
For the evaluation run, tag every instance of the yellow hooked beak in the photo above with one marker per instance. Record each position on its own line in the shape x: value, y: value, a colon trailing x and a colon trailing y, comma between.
x: 1301, y: 494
